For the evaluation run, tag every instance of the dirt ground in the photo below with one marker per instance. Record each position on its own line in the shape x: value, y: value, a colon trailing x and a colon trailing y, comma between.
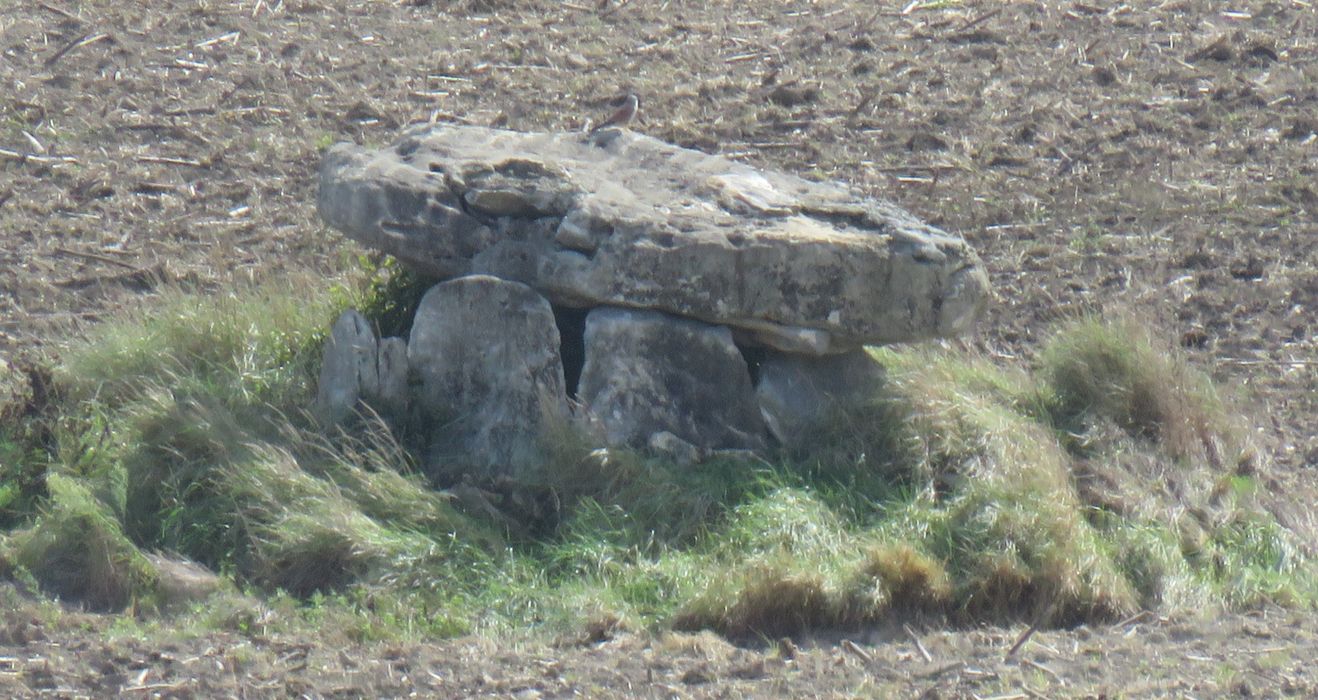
x: 1268, y: 653
x: 1158, y: 157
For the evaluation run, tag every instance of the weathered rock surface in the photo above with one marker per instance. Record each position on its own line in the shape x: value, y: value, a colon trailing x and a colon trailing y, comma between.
x: 675, y: 448
x: 348, y: 370
x: 648, y: 373
x: 357, y: 369
x: 622, y: 219
x: 181, y: 582
x: 486, y: 352
x: 797, y: 393
x: 391, y: 398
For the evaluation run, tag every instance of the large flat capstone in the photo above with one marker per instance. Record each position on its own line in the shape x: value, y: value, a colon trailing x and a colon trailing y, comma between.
x: 622, y: 219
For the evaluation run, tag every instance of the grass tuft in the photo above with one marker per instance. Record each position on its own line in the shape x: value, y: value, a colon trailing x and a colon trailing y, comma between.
x: 77, y: 551
x: 241, y: 348
x: 771, y: 599
x: 912, y: 581
x: 1099, y: 370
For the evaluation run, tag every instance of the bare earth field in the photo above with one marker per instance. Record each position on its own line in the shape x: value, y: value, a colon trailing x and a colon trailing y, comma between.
x: 1158, y: 158
x: 1266, y: 654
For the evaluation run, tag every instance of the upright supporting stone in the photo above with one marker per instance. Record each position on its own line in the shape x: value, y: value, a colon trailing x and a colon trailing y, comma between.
x: 798, y: 392
x: 348, y: 370
x: 391, y: 399
x: 648, y: 372
x: 487, y: 353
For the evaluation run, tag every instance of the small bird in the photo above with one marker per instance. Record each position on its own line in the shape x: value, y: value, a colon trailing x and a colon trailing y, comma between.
x: 625, y: 114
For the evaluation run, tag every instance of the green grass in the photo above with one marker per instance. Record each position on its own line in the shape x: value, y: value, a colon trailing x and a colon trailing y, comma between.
x: 77, y: 550
x: 960, y: 492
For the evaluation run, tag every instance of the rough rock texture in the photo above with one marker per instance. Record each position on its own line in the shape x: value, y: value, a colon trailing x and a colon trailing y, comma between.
x: 357, y: 369
x: 391, y: 399
x: 623, y: 219
x: 675, y: 448
x: 486, y: 352
x: 647, y: 373
x: 797, y: 392
x: 348, y: 370
x: 181, y: 582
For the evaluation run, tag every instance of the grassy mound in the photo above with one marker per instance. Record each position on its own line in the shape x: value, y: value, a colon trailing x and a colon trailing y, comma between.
x: 1108, y: 478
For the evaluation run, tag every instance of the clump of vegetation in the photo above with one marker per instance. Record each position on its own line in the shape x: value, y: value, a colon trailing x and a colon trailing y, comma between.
x: 1113, y: 370
x: 77, y: 550
x: 390, y: 294
x: 25, y: 434
x: 1109, y: 478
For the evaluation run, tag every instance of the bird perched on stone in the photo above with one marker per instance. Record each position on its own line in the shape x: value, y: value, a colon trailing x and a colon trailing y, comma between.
x: 624, y: 115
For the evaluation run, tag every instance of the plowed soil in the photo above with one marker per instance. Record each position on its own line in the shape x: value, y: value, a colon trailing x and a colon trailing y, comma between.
x: 1156, y: 156
x: 1265, y: 654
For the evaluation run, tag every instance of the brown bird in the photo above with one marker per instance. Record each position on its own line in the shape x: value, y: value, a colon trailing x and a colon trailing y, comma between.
x: 625, y: 114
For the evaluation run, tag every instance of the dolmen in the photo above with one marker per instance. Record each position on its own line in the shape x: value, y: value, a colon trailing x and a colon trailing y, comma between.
x: 639, y: 293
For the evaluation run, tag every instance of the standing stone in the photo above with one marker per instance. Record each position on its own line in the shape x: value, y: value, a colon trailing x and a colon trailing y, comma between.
x: 648, y: 372
x: 391, y: 397
x: 486, y: 352
x: 797, y: 392
x: 348, y: 370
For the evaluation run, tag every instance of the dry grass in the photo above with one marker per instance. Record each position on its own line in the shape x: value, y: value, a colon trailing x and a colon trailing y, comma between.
x: 1158, y: 157
x: 911, y: 580
x: 1115, y: 371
